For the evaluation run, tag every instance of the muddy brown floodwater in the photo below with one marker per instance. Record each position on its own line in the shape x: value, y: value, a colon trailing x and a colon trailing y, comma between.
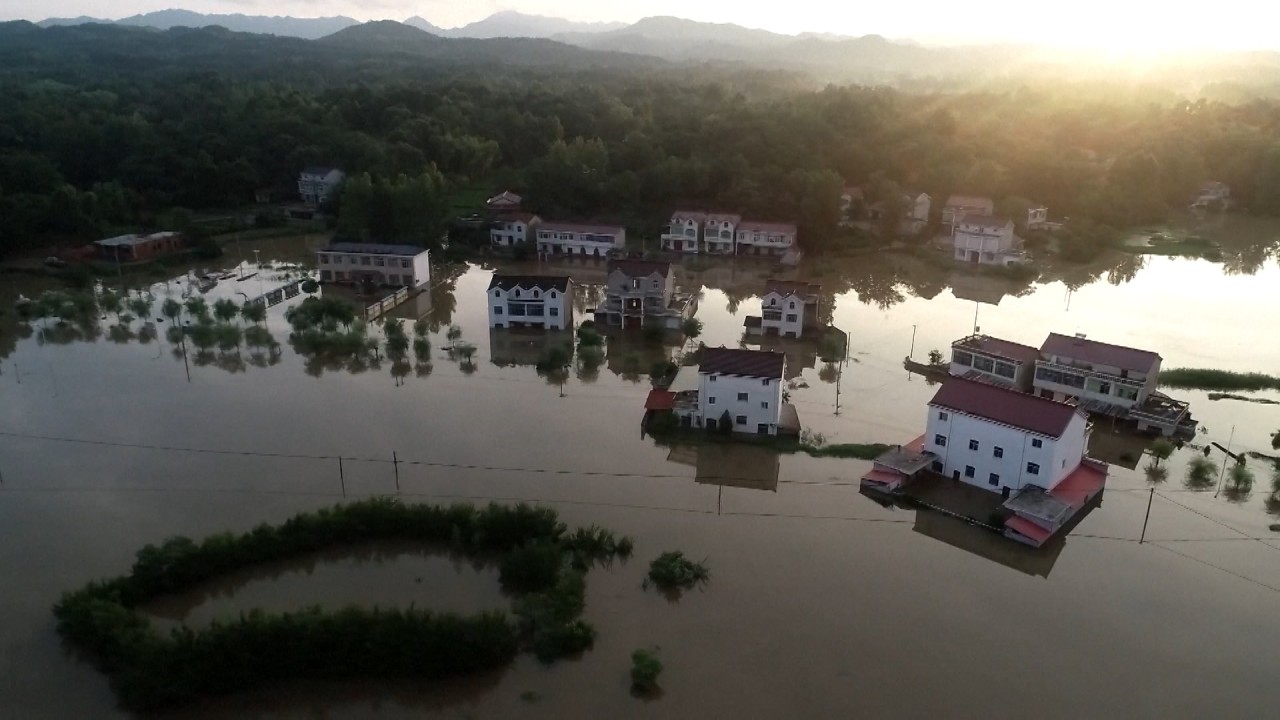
x: 822, y: 603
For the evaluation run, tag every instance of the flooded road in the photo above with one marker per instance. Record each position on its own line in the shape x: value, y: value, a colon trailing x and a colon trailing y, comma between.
x: 822, y: 602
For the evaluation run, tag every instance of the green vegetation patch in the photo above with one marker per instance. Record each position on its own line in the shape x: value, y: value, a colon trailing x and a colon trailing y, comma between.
x: 645, y: 669
x: 673, y: 572
x: 541, y: 563
x: 1210, y: 379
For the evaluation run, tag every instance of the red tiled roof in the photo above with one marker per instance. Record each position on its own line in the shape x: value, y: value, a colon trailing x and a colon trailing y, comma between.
x: 970, y: 201
x: 1002, y: 348
x: 542, y: 282
x: 749, y: 363
x: 506, y: 197
x: 581, y: 228
x: 1099, y: 353
x: 1007, y: 407
x: 693, y: 215
x: 889, y: 478
x: 791, y: 287
x: 753, y: 226
x: 1081, y: 484
x: 984, y: 221
x: 660, y: 400
x: 717, y: 216
x: 1028, y: 528
x: 641, y: 268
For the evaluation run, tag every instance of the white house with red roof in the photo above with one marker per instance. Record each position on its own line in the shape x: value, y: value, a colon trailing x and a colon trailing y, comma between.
x: 982, y: 357
x: 718, y: 232
x: 786, y: 308
x: 586, y: 239
x: 1093, y: 372
x: 765, y: 238
x: 513, y: 228
x: 741, y: 387
x: 683, y: 231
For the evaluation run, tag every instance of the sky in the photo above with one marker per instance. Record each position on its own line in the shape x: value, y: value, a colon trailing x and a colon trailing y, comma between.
x: 1112, y: 25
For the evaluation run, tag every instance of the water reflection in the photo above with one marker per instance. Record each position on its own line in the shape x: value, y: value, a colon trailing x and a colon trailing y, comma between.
x: 729, y: 464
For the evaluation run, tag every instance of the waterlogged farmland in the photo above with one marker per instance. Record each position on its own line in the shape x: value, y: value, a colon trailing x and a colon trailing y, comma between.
x: 820, y: 602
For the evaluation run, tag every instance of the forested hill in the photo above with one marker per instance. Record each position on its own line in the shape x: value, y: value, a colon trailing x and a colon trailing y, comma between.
x: 89, y: 51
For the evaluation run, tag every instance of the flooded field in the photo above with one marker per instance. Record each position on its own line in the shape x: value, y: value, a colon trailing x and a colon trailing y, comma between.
x: 822, y: 602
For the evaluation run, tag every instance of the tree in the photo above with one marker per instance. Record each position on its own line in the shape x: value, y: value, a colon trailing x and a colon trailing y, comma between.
x: 935, y: 357
x: 691, y: 328
x: 198, y: 308
x: 1161, y: 449
x: 110, y: 301
x: 140, y: 305
x: 171, y: 309
x: 225, y: 310
x: 254, y: 312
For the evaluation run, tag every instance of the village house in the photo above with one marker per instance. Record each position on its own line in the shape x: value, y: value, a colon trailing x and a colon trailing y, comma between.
x: 640, y: 293
x: 918, y: 207
x: 542, y: 301
x: 563, y: 238
x: 513, y: 228
x: 959, y: 207
x: 504, y: 202
x: 318, y: 185
x: 1211, y: 194
x: 137, y: 248
x: 371, y: 264
x: 682, y: 232
x: 718, y: 232
x: 982, y: 357
x: 786, y: 309
x: 986, y: 240
x: 765, y: 238
x: 1037, y: 218
x: 740, y: 387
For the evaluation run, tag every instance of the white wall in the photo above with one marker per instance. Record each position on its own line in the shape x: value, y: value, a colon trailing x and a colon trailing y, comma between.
x: 788, y: 305
x: 959, y: 429
x: 1069, y: 449
x: 726, y: 388
x: 499, y: 303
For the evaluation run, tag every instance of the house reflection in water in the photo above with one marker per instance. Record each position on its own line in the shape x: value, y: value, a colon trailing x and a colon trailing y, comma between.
x: 525, y: 346
x: 726, y: 464
x: 984, y: 543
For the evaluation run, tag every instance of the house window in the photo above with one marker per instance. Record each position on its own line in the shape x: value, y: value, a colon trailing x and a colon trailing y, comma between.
x: 997, y: 452
x: 762, y: 429
x: 1127, y: 393
x: 993, y: 479
x: 791, y: 305
x: 741, y: 419
x: 712, y: 378
x: 765, y: 382
x: 773, y: 301
x: 791, y: 317
x: 742, y: 397
x: 378, y: 262
x: 936, y: 466
x: 635, y: 283
x: 711, y: 400
x: 973, y: 444
x: 764, y: 405
x: 1036, y: 442
x: 555, y: 312
x: 497, y: 293
x: 1033, y: 469
x: 982, y: 363
x: 536, y: 293
x: 942, y: 416
x: 404, y: 262
x: 497, y: 309
x: 655, y: 284
x: 324, y: 274
x: 324, y: 259
x: 364, y: 260
x: 1005, y: 370
x: 969, y: 471
x: 940, y: 440
x: 961, y: 358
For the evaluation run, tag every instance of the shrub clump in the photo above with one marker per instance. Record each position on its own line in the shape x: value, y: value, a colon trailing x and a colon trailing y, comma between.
x: 672, y: 571
x: 645, y: 669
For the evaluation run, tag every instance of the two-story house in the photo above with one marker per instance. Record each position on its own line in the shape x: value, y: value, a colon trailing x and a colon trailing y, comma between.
x: 1037, y: 217
x: 543, y: 301
x: 718, y: 231
x: 1092, y: 372
x: 765, y: 238
x: 959, y: 207
x: 999, y: 439
x: 641, y: 293
x: 563, y: 238
x: 786, y: 309
x: 683, y: 231
x: 982, y: 357
x: 740, y: 387
x: 318, y: 185
x: 513, y: 228
x: 986, y: 240
x: 374, y: 264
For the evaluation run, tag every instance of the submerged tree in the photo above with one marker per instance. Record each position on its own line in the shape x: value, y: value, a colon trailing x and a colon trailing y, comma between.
x: 1161, y: 449
x: 1200, y: 472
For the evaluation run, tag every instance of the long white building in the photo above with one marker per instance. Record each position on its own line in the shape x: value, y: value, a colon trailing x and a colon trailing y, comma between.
x: 765, y: 238
x: 563, y: 238
x: 542, y: 301
x: 374, y: 264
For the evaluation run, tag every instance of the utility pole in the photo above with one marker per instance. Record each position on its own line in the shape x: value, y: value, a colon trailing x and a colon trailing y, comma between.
x: 1226, y: 456
x: 1151, y: 496
x: 912, y: 352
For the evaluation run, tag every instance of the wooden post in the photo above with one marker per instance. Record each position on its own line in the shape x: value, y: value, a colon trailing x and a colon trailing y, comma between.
x: 395, y: 463
x: 342, y: 477
x: 1150, y: 497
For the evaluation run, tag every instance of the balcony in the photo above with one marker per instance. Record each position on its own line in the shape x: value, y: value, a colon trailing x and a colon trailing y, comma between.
x: 774, y: 315
x: 1086, y: 370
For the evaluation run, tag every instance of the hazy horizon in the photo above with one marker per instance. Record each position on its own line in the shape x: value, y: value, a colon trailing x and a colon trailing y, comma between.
x: 1129, y: 28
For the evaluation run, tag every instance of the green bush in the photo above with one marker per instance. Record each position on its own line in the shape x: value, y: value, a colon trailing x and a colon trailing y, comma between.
x: 672, y: 571
x: 1209, y: 379
x: 645, y: 669
x: 531, y: 568
x: 1200, y: 473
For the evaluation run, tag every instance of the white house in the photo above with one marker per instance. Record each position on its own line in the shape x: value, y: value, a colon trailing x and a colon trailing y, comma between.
x: 513, y: 229
x: 683, y: 230
x: 543, y: 301
x: 374, y: 264
x: 745, y: 384
x: 639, y: 293
x: 786, y: 308
x: 562, y: 238
x: 986, y: 240
x: 317, y: 185
x: 1093, y: 372
x: 982, y: 357
x: 765, y: 238
x: 919, y: 205
x: 959, y: 207
x: 718, y: 230
x: 1002, y: 440
x: 1211, y: 194
x: 1037, y: 217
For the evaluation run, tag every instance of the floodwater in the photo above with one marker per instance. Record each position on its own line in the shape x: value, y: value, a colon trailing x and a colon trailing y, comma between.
x: 822, y: 602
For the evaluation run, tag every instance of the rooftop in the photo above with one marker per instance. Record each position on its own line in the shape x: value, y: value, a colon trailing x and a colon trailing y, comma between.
x: 716, y: 216
x: 357, y: 248
x: 524, y: 217
x: 121, y: 240
x: 1006, y: 349
x: 581, y: 227
x: 1005, y: 406
x: 320, y: 170
x: 641, y: 268
x: 985, y: 221
x: 1099, y: 353
x: 747, y: 363
x: 660, y: 400
x: 542, y: 282
x: 693, y: 215
x: 907, y: 459
x: 970, y: 201
x: 775, y: 227
x: 791, y: 287
x: 1039, y: 504
x: 506, y: 197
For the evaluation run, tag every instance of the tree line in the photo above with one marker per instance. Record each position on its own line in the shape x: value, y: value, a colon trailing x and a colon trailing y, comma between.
x: 89, y: 148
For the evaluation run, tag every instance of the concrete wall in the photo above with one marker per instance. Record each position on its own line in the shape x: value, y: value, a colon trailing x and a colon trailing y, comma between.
x: 556, y: 307
x: 789, y: 306
x: 1017, y: 450
x: 762, y: 404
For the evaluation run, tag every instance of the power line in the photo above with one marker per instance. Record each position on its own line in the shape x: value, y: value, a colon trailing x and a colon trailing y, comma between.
x: 1228, y: 571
